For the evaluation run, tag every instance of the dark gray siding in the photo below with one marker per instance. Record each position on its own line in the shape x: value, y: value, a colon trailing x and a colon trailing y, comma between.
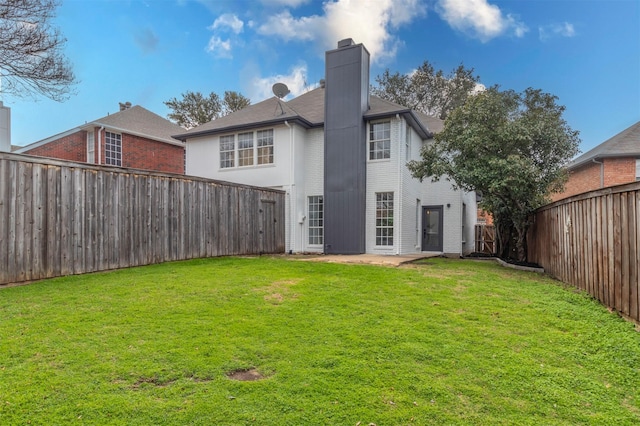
x: 346, y: 100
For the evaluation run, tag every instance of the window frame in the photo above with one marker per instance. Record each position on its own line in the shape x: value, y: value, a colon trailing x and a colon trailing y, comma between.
x: 315, y: 222
x: 384, y: 219
x: 227, y: 156
x: 112, y: 149
x: 379, y: 148
x: 264, y: 146
x: 91, y: 147
x: 242, y: 151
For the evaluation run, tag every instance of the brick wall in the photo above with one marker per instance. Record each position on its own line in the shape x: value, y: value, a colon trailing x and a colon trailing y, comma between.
x: 72, y: 147
x: 588, y: 177
x: 137, y: 152
x: 142, y: 153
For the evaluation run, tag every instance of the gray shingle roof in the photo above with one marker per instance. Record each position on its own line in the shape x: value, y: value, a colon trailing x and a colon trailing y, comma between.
x: 308, y: 110
x: 624, y: 144
x: 140, y: 121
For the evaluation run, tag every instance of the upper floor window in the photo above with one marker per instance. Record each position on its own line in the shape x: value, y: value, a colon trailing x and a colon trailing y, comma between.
x: 252, y: 148
x: 265, y: 146
x: 245, y: 149
x: 380, y: 140
x: 227, y: 151
x: 638, y: 169
x: 112, y: 149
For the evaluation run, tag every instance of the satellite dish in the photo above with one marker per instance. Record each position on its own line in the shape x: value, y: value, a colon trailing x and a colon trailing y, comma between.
x: 280, y: 90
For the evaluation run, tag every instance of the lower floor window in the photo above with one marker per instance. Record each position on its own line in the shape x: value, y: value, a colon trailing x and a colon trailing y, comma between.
x: 384, y: 218
x: 316, y: 220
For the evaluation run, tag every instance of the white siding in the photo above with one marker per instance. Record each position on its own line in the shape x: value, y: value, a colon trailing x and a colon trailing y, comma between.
x: 313, y: 176
x: 383, y: 176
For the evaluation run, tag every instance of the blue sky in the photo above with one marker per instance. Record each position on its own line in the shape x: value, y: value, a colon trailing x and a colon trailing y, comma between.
x: 146, y: 52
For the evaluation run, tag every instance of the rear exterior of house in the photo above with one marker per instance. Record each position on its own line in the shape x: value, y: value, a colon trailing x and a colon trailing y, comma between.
x: 340, y: 155
x: 133, y: 137
x: 616, y: 161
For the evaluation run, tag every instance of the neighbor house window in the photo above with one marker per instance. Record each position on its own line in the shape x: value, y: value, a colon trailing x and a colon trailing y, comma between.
x: 638, y: 170
x: 379, y: 140
x: 245, y: 149
x: 227, y: 151
x: 91, y: 148
x: 384, y: 218
x: 265, y: 146
x: 112, y: 149
x: 316, y: 220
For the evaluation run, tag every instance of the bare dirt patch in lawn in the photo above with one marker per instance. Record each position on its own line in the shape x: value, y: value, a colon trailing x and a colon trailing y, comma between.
x: 245, y: 375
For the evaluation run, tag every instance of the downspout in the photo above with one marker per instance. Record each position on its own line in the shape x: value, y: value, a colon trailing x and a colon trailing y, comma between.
x: 401, y: 143
x: 601, y: 171
x: 100, y: 145
x: 293, y: 200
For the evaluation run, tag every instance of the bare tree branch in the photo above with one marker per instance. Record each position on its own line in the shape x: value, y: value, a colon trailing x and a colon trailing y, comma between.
x: 31, y: 57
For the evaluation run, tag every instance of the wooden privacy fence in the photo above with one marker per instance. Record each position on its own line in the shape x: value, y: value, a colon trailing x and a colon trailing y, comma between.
x: 59, y: 218
x: 592, y: 241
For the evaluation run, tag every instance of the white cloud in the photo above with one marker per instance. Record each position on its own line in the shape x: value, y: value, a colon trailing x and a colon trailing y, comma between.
x: 228, y: 20
x: 556, y: 30
x: 479, y: 19
x: 218, y: 47
x: 367, y: 22
x: 296, y: 80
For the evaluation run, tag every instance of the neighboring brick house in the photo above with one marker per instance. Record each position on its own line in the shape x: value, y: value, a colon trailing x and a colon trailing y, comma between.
x: 340, y: 155
x: 613, y: 162
x: 134, y: 137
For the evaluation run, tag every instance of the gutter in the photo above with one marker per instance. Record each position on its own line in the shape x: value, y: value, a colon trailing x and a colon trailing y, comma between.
x: 254, y: 125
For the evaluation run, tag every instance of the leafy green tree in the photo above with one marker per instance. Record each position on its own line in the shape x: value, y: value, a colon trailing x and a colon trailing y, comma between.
x: 234, y: 101
x: 509, y: 146
x: 31, y: 57
x: 195, y: 109
x: 427, y: 90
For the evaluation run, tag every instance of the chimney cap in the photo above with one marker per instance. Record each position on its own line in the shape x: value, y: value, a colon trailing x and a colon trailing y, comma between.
x: 322, y: 83
x: 345, y: 43
x: 124, y: 106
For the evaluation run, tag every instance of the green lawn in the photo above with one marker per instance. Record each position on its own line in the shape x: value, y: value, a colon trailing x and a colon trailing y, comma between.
x: 441, y: 342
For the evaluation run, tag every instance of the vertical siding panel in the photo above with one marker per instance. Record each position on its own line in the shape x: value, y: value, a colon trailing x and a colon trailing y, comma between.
x: 77, y: 234
x: 637, y: 261
x: 39, y: 221
x: 4, y: 220
x: 624, y: 253
x: 598, y: 251
x: 617, y: 277
x: 66, y: 221
x: 611, y: 251
x: 633, y: 266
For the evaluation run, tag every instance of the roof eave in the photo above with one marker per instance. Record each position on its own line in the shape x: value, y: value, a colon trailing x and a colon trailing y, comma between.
x: 408, y: 115
x: 130, y: 132
x: 246, y: 126
x: 595, y: 158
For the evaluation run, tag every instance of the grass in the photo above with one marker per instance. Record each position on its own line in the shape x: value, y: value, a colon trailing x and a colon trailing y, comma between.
x: 441, y: 342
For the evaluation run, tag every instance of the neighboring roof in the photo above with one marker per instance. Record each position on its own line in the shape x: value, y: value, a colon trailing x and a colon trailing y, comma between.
x: 308, y: 111
x: 136, y: 121
x: 624, y: 144
x: 140, y: 121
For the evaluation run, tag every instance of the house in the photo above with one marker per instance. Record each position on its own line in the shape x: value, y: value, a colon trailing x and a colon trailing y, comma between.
x: 613, y: 162
x: 133, y: 137
x: 340, y: 155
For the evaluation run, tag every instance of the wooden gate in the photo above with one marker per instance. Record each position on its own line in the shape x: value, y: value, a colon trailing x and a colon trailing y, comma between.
x: 485, y: 239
